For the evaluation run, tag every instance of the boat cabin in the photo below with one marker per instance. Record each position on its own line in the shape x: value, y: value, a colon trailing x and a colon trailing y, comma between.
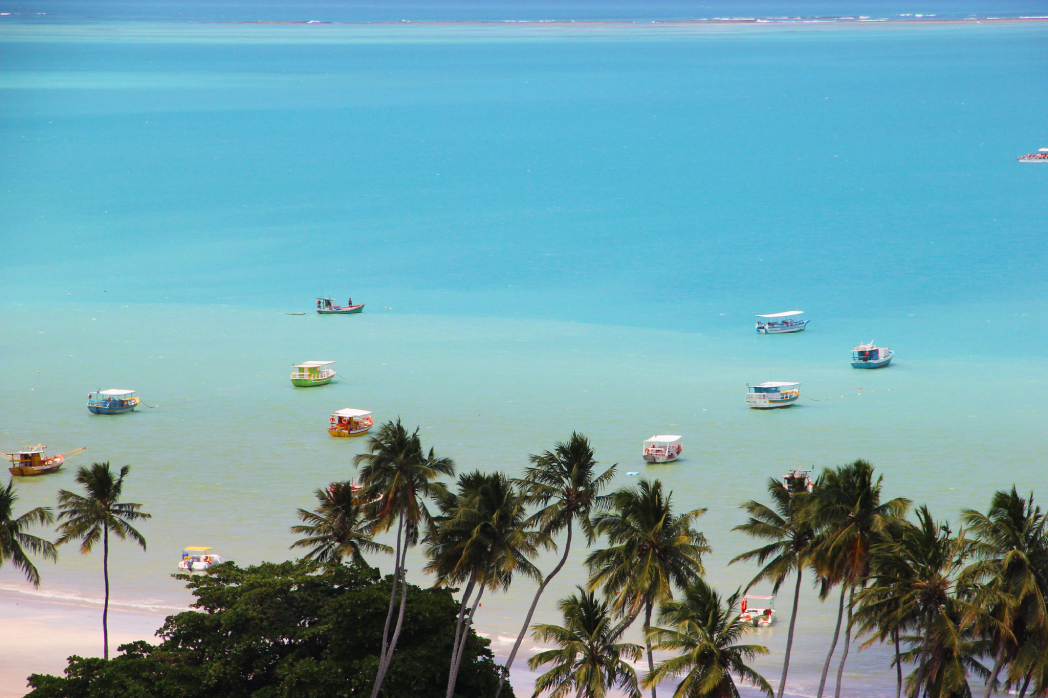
x: 871, y: 356
x: 310, y: 373
x: 350, y: 422
x: 663, y: 448
x: 112, y: 401
x: 772, y: 394
x: 797, y: 481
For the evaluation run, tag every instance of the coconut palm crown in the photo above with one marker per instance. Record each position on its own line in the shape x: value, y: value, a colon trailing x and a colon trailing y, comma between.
x: 15, y: 544
x: 336, y: 529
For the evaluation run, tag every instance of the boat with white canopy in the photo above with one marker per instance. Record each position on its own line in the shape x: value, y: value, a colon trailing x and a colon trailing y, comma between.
x: 781, y: 323
x: 350, y: 422
x: 663, y: 448
x: 759, y: 617
x: 871, y: 356
x: 772, y: 394
x: 197, y: 558
x: 112, y: 401
x: 310, y: 373
x: 1040, y: 156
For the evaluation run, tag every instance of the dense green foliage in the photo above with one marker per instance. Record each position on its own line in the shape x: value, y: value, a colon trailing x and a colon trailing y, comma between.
x: 286, y: 630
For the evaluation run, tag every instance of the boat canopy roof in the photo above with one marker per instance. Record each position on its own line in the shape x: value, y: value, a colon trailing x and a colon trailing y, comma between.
x: 116, y: 391
x: 1042, y: 150
x: 754, y: 596
x: 788, y: 313
x: 198, y: 548
x: 774, y: 384
x: 663, y: 439
x: 313, y: 364
x: 350, y: 412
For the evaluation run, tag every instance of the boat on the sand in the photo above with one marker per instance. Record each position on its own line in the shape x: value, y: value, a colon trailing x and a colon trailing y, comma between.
x: 34, y: 461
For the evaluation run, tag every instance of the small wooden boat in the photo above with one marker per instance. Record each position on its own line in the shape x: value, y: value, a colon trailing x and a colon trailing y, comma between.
x: 113, y: 401
x: 871, y: 356
x: 294, y: 313
x: 772, y: 394
x: 663, y: 448
x: 310, y: 373
x: 759, y: 617
x: 196, y: 558
x: 34, y: 461
x: 326, y: 306
x: 781, y: 323
x: 350, y: 422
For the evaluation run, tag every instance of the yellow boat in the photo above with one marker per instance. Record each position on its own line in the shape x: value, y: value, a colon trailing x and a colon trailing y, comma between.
x: 350, y: 422
x: 34, y: 461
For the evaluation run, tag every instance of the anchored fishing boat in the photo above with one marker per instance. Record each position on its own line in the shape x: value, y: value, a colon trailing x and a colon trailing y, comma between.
x: 196, y: 558
x: 326, y: 306
x: 350, y: 422
x: 663, y: 448
x: 871, y: 356
x: 113, y: 401
x: 772, y: 394
x: 797, y: 481
x: 781, y: 323
x: 34, y: 461
x: 759, y: 617
x: 1040, y: 156
x: 310, y: 373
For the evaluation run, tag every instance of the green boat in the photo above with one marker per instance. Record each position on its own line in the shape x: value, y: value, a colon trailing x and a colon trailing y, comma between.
x: 310, y: 373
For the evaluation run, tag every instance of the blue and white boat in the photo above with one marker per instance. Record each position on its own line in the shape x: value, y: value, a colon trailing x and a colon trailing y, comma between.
x: 871, y: 356
x: 781, y: 323
x: 766, y: 396
x: 113, y: 401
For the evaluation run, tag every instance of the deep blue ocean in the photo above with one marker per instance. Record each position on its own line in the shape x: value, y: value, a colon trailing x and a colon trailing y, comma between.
x: 554, y: 226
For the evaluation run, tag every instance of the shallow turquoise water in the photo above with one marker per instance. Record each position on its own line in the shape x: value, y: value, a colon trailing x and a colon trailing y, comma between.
x: 573, y: 228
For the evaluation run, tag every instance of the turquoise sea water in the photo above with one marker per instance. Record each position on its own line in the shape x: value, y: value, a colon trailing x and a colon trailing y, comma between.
x: 554, y: 229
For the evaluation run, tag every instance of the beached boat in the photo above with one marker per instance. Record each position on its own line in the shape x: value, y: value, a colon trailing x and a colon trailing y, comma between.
x: 871, y: 356
x: 781, y: 323
x: 663, y: 448
x: 1040, y: 156
x: 196, y: 558
x: 113, y: 401
x: 310, y: 373
x: 350, y: 422
x: 34, y: 461
x: 326, y: 306
x: 765, y: 396
x: 759, y: 617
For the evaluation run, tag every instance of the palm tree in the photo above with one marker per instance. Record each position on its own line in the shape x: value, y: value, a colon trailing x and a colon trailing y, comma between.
x: 914, y: 582
x: 336, y: 528
x: 651, y: 551
x: 950, y: 657
x: 848, y: 513
x: 564, y: 482
x: 482, y: 538
x: 1012, y: 551
x: 790, y: 536
x: 703, y: 632
x: 398, y: 478
x: 15, y: 542
x: 91, y: 517
x: 590, y: 660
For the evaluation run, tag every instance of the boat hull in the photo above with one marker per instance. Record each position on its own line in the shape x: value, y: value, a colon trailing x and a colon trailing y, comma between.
x: 346, y: 432
x: 348, y: 310
x: 879, y: 363
x: 790, y: 329
x: 48, y: 466
x: 759, y: 404
x: 102, y: 409
x: 660, y: 458
x: 309, y: 382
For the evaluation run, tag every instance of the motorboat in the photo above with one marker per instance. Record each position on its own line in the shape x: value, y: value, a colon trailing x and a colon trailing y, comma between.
x: 327, y: 306
x: 310, y: 373
x: 350, y: 422
x: 1040, y: 156
x: 34, y: 461
x: 797, y: 481
x: 781, y: 323
x: 871, y: 356
x: 197, y: 558
x: 663, y: 448
x: 112, y: 401
x: 759, y: 617
x: 772, y: 394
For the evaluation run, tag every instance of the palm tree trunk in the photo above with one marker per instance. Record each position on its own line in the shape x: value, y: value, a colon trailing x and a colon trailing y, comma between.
x: 647, y: 642
x: 918, y: 683
x: 105, y: 607
x: 789, y: 636
x: 997, y: 662
x: 833, y: 644
x: 386, y: 660
x: 456, y: 661
x: 392, y: 593
x: 531, y: 612
x: 898, y: 664
x: 847, y: 643
x: 463, y: 606
x: 1026, y: 684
